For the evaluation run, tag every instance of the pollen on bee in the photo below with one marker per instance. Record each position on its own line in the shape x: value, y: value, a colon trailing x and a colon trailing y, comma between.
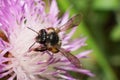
x: 50, y: 29
x: 54, y: 50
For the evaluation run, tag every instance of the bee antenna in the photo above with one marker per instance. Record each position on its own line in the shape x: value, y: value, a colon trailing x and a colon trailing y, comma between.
x: 33, y: 30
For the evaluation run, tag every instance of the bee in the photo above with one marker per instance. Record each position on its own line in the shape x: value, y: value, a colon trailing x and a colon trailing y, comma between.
x: 49, y: 39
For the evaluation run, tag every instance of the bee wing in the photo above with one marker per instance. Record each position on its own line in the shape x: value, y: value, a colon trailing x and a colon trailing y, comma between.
x: 72, y: 22
x: 73, y: 59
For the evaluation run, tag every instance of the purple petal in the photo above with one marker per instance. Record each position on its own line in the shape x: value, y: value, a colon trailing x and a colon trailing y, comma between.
x: 84, y: 54
x: 76, y: 44
x: 12, y: 77
x: 4, y: 46
x: 5, y: 51
x: 1, y: 68
x: 87, y: 72
x: 54, y: 9
x: 6, y: 73
x: 70, y: 34
x: 52, y: 16
x: 66, y: 77
x: 64, y: 19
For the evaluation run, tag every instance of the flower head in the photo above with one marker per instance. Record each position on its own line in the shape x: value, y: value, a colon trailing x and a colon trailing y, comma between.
x: 15, y: 59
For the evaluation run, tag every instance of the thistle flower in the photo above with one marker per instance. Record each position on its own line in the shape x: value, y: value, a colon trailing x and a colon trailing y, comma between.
x: 16, y: 38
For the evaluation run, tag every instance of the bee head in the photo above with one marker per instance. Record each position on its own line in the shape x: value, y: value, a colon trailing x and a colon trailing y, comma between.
x: 42, y: 36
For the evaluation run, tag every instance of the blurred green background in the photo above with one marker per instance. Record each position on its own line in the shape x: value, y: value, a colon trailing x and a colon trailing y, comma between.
x: 101, y: 26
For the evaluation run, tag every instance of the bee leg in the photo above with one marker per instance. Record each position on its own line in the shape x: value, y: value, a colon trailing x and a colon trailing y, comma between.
x: 44, y: 50
x: 49, y: 53
x: 37, y: 49
x: 31, y: 47
x: 41, y: 49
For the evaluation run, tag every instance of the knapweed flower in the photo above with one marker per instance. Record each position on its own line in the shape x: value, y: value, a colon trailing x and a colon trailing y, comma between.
x: 16, y: 62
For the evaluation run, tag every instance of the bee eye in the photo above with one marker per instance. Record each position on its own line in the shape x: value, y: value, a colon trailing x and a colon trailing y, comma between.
x: 39, y: 40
